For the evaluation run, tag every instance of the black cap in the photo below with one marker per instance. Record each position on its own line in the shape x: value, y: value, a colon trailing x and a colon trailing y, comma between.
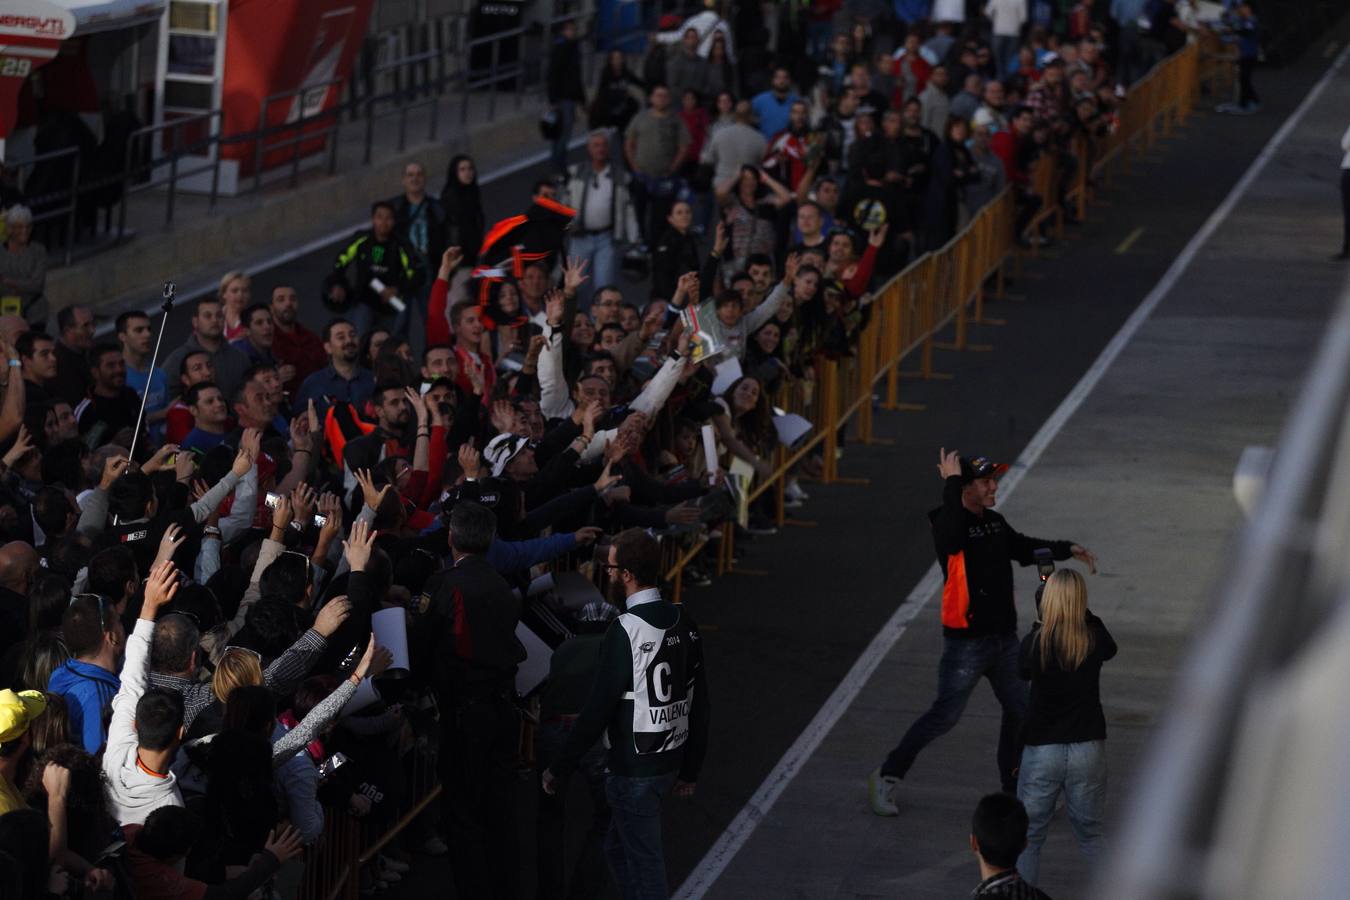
x: 973, y: 467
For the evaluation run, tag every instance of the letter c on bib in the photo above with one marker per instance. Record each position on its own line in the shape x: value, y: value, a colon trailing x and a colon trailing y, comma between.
x: 661, y: 682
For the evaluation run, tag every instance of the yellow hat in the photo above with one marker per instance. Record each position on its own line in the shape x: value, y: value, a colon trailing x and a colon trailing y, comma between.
x: 17, y: 711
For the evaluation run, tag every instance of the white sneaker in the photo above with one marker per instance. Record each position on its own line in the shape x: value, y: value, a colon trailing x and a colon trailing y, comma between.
x: 396, y: 865
x: 794, y: 491
x: 881, y: 793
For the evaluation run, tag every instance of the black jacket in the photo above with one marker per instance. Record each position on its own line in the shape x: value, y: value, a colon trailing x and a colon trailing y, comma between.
x: 564, y: 72
x: 394, y: 262
x: 436, y: 228
x: 465, y: 223
x: 975, y: 552
x: 473, y: 616
x: 675, y: 255
x: 1066, y: 707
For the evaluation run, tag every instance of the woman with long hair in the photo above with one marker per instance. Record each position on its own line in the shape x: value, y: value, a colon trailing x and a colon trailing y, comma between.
x: 615, y: 101
x: 751, y: 205
x: 744, y: 424
x: 236, y: 291
x: 465, y: 223
x: 1065, y: 730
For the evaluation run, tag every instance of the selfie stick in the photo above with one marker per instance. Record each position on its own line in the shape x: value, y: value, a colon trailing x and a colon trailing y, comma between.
x: 170, y: 291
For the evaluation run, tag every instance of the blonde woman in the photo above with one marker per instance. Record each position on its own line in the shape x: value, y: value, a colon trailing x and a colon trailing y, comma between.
x: 1065, y: 732
x: 236, y: 290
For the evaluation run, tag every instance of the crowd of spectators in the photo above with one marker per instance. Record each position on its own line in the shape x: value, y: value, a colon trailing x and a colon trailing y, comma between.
x: 192, y: 685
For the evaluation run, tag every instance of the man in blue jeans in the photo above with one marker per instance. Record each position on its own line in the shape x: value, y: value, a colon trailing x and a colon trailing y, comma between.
x: 975, y: 547
x: 650, y: 696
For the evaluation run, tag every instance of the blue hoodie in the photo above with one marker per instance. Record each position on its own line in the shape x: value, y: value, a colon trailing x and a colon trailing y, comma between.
x: 88, y: 690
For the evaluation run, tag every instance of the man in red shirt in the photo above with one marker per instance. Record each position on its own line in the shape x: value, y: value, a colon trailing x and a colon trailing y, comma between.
x: 1010, y: 146
x: 292, y: 342
x: 178, y: 419
x: 476, y: 372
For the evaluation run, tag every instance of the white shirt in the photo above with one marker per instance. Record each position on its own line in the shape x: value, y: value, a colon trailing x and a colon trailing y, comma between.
x: 1008, y: 16
x: 598, y: 212
x: 648, y: 595
x: 1345, y: 145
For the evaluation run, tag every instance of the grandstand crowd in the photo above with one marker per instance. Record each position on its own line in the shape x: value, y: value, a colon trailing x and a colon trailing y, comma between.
x: 473, y: 424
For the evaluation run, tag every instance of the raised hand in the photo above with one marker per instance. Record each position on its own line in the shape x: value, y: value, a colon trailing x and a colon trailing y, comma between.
x: 790, y: 267
x: 358, y: 546
x: 330, y: 507
x: 300, y: 433
x: 554, y: 305
x: 1086, y: 556
x: 184, y: 464
x: 533, y: 352
x: 333, y: 614
x: 687, y: 285
x: 160, y: 459
x: 419, y: 407
x: 949, y: 464
x: 22, y: 444
x: 172, y: 539
x: 590, y: 416
x: 574, y: 274
x: 112, y: 468
x: 374, y: 662
x: 503, y: 416
x: 160, y: 588
x: 652, y: 321
x: 302, y: 502
x: 282, y: 514
x: 249, y: 448
x: 721, y: 237
x: 471, y: 461
x: 372, y: 495
x: 450, y: 260
x: 877, y: 237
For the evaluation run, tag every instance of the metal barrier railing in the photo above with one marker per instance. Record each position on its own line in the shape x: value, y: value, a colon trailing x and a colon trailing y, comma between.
x: 421, y: 82
x: 174, y: 132
x: 66, y: 200
x: 297, y: 132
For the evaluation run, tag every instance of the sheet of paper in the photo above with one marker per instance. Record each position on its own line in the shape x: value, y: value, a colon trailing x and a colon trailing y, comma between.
x: 391, y: 632
x: 710, y: 451
x: 728, y: 370
x: 791, y: 428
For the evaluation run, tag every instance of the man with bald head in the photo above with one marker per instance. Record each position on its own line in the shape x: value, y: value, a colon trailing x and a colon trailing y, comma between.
x: 18, y: 568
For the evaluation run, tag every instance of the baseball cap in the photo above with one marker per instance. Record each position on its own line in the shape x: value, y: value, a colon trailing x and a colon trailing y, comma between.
x: 983, y: 119
x: 504, y: 448
x: 973, y: 467
x: 17, y: 712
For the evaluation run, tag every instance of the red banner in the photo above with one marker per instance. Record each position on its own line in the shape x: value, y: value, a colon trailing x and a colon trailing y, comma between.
x: 285, y: 48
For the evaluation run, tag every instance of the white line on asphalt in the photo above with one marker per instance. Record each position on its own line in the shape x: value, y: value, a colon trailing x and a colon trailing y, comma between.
x: 716, y: 860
